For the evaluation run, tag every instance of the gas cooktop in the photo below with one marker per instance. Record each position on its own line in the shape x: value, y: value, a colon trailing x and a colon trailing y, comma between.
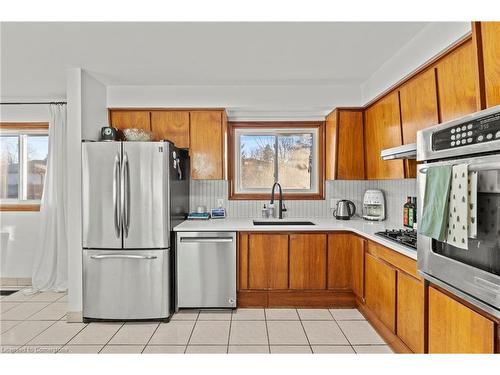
x: 407, y: 237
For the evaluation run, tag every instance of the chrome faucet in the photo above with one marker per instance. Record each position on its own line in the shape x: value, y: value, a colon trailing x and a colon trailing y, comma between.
x: 281, y: 207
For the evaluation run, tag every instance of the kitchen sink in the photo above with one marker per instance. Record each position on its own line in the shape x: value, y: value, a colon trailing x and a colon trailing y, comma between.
x: 256, y: 222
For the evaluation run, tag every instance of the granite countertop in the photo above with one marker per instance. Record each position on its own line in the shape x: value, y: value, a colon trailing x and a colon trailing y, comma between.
x: 359, y: 226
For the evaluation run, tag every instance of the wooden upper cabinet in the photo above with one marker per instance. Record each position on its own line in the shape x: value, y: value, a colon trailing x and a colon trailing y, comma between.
x: 383, y: 130
x: 172, y: 126
x: 410, y: 312
x: 419, y: 106
x: 380, y: 290
x: 457, y: 80
x: 308, y: 261
x: 490, y: 35
x: 267, y: 261
x: 331, y: 126
x: 455, y: 328
x: 206, y: 145
x: 130, y: 119
x: 345, y: 158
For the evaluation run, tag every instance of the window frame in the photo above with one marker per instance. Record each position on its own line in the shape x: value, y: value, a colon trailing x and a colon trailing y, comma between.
x: 319, y: 126
x: 22, y: 130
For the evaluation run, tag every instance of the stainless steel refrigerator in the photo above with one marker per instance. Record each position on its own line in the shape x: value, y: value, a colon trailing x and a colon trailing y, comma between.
x: 133, y: 194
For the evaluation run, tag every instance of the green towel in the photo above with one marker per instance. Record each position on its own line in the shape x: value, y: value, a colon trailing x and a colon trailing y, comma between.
x: 436, y: 199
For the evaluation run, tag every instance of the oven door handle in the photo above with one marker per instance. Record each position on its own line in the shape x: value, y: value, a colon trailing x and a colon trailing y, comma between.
x: 487, y: 284
x: 474, y: 167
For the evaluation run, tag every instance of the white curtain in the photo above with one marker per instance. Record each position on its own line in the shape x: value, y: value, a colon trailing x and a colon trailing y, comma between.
x: 50, y: 268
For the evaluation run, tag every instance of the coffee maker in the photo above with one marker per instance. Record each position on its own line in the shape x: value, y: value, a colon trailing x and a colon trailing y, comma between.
x: 374, y: 205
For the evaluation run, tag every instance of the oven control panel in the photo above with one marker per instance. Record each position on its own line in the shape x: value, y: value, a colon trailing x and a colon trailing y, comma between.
x: 481, y: 130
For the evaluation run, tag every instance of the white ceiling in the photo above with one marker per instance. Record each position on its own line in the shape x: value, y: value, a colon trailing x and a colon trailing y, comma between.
x: 35, y: 56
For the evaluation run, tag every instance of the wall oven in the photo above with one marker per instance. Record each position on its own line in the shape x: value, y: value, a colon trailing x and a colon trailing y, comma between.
x: 472, y: 274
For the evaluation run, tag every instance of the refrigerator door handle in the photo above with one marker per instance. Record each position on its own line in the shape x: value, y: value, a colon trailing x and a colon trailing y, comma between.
x: 125, y: 195
x: 116, y: 195
x: 119, y: 256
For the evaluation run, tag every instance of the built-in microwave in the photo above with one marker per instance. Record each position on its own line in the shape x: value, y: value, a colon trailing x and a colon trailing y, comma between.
x: 472, y: 274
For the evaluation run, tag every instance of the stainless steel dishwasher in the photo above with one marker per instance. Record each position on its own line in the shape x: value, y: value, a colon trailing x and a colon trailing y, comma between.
x: 205, y: 270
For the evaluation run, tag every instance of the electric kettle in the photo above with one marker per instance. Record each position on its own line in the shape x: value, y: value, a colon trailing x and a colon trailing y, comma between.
x: 345, y: 210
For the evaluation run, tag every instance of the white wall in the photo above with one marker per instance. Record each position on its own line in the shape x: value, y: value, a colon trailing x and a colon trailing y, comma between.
x: 19, y: 230
x: 94, y: 107
x: 429, y: 42
x: 304, y: 101
x: 86, y: 114
x: 74, y: 120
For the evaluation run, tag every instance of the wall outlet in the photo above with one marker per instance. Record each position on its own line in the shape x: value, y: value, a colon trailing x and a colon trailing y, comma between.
x: 220, y: 202
x: 333, y: 202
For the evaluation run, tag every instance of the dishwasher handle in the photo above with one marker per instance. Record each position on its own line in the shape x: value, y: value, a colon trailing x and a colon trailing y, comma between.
x: 206, y: 239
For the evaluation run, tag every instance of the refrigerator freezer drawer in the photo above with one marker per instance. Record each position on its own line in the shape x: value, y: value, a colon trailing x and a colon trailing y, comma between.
x: 206, y: 269
x: 131, y: 284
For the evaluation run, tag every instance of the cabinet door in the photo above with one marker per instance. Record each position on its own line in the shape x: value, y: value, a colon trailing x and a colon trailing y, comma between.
x: 350, y: 151
x: 206, y: 145
x: 490, y: 34
x: 131, y: 119
x: 307, y: 261
x: 380, y: 290
x: 383, y: 130
x: 331, y: 139
x: 358, y: 266
x: 171, y: 125
x: 339, y: 270
x: 268, y: 261
x: 456, y: 78
x: 454, y: 328
x: 345, y: 156
x: 410, y: 312
x: 419, y: 107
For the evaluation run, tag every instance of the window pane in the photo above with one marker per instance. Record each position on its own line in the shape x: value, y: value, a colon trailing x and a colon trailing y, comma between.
x: 9, y: 167
x: 295, y: 160
x: 257, y: 158
x: 37, y: 164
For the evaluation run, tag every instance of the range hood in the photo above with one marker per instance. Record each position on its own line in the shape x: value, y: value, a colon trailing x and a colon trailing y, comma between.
x: 408, y: 151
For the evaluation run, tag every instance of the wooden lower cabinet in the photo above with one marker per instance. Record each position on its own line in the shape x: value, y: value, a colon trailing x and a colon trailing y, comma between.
x: 358, y: 246
x: 346, y: 263
x: 340, y: 272
x: 455, y: 328
x: 380, y: 290
x: 308, y: 261
x: 268, y: 261
x: 410, y: 312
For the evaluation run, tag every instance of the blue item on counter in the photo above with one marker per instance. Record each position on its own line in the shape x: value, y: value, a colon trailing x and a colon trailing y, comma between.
x: 198, y: 216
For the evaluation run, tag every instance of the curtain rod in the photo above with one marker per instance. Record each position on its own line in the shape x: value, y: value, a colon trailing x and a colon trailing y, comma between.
x: 26, y: 103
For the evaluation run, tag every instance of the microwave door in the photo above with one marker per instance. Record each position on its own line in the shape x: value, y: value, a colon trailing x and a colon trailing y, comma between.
x: 101, y: 218
x: 145, y: 199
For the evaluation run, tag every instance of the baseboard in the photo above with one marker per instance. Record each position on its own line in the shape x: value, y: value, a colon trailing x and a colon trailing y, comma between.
x: 10, y: 282
x: 74, y: 317
x: 396, y: 344
x: 296, y: 298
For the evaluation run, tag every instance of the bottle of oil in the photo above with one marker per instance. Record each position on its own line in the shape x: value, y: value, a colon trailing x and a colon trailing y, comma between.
x: 411, y: 214
x: 414, y: 203
x: 406, y: 212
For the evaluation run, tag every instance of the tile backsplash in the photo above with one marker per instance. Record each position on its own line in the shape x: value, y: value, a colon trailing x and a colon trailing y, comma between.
x: 207, y: 192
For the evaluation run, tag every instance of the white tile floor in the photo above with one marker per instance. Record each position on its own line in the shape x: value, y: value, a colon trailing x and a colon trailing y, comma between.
x: 37, y: 324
